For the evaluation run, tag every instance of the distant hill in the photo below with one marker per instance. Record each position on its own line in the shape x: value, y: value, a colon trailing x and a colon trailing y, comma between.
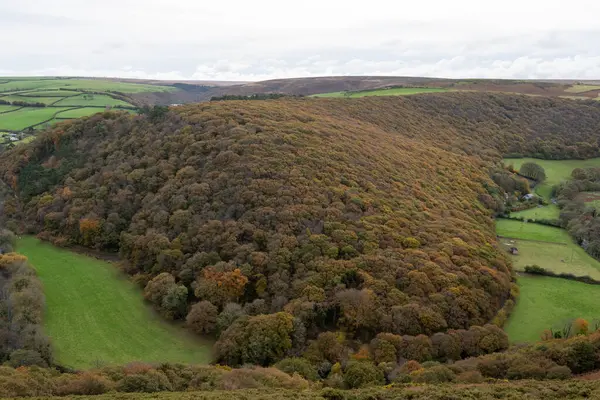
x: 319, y: 85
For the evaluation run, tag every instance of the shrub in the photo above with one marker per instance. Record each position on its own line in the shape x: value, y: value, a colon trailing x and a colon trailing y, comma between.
x: 559, y: 372
x: 86, y: 383
x: 360, y: 374
x: 435, y: 374
x: 300, y: 366
x: 148, y: 382
x: 23, y: 358
x: 470, y: 377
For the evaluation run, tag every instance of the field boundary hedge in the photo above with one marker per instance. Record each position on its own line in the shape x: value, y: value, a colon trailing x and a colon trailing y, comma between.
x: 537, y: 270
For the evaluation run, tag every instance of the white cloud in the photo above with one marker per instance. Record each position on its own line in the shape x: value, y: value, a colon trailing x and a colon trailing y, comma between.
x: 265, y: 39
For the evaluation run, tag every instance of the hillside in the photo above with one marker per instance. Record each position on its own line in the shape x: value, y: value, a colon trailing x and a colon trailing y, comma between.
x: 363, y: 215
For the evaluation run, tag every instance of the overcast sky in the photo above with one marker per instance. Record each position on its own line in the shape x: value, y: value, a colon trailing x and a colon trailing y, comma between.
x: 263, y: 39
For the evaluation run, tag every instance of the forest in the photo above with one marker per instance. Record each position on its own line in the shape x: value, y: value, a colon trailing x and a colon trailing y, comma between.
x: 303, y: 227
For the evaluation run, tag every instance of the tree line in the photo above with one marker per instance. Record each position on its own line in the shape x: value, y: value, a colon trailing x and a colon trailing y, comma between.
x: 22, y: 340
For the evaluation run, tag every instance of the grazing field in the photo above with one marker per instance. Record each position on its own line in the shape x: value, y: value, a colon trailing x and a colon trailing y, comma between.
x: 95, y: 316
x: 92, y: 100
x: 25, y: 117
x: 556, y: 170
x: 547, y: 303
x: 531, y: 231
x: 5, y: 108
x: 61, y: 94
x: 29, y: 99
x: 535, y: 214
x: 558, y: 258
x: 81, y: 84
x: 78, y: 113
x: 582, y: 88
x: 383, y: 92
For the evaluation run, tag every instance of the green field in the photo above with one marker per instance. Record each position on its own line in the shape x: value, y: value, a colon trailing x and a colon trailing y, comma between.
x: 534, y: 214
x: 95, y: 315
x: 48, y: 91
x: 79, y: 112
x: 547, y: 303
x: 556, y: 170
x: 582, y: 88
x: 382, y: 92
x: 5, y: 108
x: 26, y: 117
x: 82, y: 84
x: 555, y: 257
x: 95, y: 100
x: 531, y: 231
x: 28, y: 99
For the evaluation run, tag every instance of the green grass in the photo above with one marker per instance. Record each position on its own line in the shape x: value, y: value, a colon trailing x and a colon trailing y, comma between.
x: 95, y: 315
x: 558, y: 258
x: 84, y: 84
x: 26, y: 117
x: 96, y: 100
x: 382, y: 92
x: 556, y: 170
x: 45, y: 100
x: 531, y: 231
x: 582, y: 88
x: 547, y: 303
x: 547, y: 212
x: 5, y: 108
x: 79, y: 112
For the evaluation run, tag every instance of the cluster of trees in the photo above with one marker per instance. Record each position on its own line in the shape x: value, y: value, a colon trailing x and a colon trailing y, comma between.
x: 579, y: 218
x: 22, y: 341
x: 259, y: 96
x: 269, y: 209
x: 533, y: 171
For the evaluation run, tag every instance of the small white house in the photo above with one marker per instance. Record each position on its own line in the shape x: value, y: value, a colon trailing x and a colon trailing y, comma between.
x: 529, y: 196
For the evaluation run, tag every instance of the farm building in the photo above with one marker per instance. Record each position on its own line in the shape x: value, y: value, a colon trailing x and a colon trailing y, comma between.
x: 514, y: 251
x: 529, y: 196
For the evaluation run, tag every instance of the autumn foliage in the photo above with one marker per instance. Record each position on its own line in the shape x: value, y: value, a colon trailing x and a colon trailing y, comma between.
x: 364, y: 216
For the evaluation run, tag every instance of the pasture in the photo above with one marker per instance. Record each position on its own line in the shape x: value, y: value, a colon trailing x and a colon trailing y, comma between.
x: 558, y: 258
x: 509, y: 228
x: 81, y: 97
x: 556, y: 170
x: 547, y: 303
x: 103, y: 85
x: 96, y: 316
x: 538, y: 213
x: 92, y: 100
x: 78, y: 113
x: 26, y: 117
x: 382, y: 92
x: 582, y: 88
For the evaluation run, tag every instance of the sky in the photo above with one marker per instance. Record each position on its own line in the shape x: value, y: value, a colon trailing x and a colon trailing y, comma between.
x: 241, y: 40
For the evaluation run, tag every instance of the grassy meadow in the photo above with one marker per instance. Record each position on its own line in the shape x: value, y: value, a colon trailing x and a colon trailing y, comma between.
x: 62, y: 94
x: 382, y: 92
x: 556, y: 170
x: 26, y: 117
x: 531, y: 231
x: 546, y: 303
x: 538, y: 213
x: 95, y: 316
x: 582, y: 88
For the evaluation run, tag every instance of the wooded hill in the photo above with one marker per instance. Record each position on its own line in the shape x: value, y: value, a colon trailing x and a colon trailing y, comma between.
x: 364, y: 216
